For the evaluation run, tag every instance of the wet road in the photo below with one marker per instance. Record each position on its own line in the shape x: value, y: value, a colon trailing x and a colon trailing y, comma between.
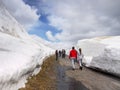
x: 87, y: 79
x: 66, y: 83
x: 58, y: 75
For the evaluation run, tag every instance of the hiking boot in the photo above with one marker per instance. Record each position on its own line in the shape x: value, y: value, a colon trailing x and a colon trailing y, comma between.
x: 73, y: 69
x: 80, y: 68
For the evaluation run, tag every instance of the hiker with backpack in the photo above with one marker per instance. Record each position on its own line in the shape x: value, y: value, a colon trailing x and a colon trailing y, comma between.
x: 73, y: 57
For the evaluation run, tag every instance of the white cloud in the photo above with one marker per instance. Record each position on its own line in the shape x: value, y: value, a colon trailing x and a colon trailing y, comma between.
x: 75, y: 19
x: 50, y: 36
x: 24, y: 14
x: 83, y: 18
x: 56, y: 21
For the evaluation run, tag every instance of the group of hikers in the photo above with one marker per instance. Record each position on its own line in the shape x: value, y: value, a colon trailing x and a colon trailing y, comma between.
x: 60, y: 53
x: 74, y: 55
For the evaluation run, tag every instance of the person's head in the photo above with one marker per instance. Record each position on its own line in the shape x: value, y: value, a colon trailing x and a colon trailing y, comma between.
x: 80, y: 49
x: 73, y: 47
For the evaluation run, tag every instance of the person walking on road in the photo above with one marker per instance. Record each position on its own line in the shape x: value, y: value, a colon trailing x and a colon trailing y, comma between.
x: 60, y: 53
x: 80, y: 58
x: 73, y: 57
x: 56, y: 54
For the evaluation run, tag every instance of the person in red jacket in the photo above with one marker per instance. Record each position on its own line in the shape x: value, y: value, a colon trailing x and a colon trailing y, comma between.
x: 73, y: 57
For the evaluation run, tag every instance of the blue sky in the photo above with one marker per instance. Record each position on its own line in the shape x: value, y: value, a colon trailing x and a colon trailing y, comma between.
x: 67, y: 20
x: 43, y: 24
x: 40, y: 30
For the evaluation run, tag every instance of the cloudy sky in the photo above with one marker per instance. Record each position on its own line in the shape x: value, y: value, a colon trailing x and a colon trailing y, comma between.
x: 67, y: 20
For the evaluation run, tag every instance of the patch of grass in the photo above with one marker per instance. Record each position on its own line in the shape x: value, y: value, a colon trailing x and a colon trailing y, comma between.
x: 45, y: 79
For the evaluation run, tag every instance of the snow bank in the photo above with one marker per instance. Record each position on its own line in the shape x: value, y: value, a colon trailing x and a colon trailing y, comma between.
x: 102, y: 53
x: 19, y: 59
x: 90, y: 48
x: 20, y: 55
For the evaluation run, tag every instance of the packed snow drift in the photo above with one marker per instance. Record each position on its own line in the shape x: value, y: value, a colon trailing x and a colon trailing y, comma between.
x: 102, y: 53
x: 20, y: 55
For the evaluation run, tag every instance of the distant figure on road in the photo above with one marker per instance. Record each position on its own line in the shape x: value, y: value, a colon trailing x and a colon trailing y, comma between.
x: 73, y: 57
x: 63, y: 53
x: 56, y: 54
x: 80, y: 57
x: 60, y: 53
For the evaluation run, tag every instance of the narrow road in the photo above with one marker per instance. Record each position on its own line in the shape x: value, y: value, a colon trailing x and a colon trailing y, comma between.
x: 58, y: 75
x: 85, y: 79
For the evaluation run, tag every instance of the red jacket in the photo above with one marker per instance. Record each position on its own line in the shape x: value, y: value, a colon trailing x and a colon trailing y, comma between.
x: 73, y: 54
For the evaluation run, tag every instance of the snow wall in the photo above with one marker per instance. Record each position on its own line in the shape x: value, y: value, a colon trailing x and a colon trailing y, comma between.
x: 102, y: 53
x: 20, y: 55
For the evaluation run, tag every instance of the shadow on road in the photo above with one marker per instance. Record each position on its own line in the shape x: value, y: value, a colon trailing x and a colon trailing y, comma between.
x: 76, y: 85
x: 66, y: 83
x: 105, y: 73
